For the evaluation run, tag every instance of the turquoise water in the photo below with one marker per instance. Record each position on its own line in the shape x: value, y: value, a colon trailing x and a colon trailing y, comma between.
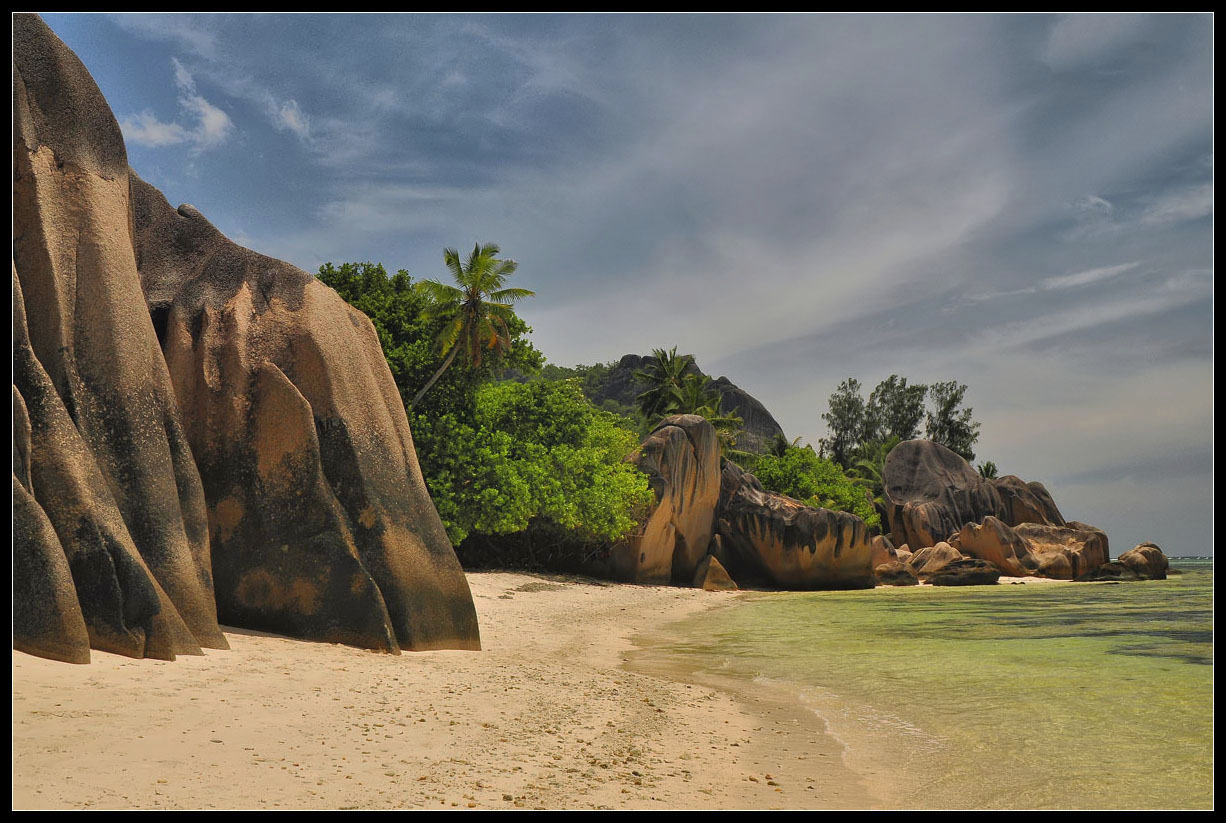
x: 1009, y: 696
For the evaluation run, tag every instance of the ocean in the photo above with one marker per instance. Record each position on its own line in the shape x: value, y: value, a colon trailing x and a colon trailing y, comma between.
x: 1040, y: 696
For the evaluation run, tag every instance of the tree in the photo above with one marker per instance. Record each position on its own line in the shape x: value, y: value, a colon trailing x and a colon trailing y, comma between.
x: 987, y: 470
x: 845, y: 421
x: 802, y: 475
x: 408, y: 338
x: 894, y: 409
x: 947, y: 423
x: 662, y: 374
x: 535, y: 451
x: 698, y: 396
x: 476, y: 312
x: 869, y: 466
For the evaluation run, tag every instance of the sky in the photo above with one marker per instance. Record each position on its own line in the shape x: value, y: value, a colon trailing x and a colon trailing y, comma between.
x: 1021, y: 203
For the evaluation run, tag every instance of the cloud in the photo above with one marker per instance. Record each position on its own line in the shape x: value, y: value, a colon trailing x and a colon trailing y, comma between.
x: 1019, y: 203
x: 146, y: 130
x: 211, y: 126
x: 1083, y: 278
x: 287, y: 116
x: 1191, y: 203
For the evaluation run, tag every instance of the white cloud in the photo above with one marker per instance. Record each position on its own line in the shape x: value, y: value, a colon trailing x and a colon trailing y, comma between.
x: 288, y: 116
x: 1082, y: 278
x: 147, y: 130
x: 210, y: 129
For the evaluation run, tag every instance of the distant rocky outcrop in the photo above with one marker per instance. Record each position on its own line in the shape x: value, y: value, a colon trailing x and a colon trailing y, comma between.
x: 205, y: 431
x: 760, y: 427
x: 1145, y: 562
x: 934, y: 497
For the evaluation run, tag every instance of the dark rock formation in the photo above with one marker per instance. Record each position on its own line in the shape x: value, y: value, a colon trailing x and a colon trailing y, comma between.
x: 109, y: 465
x: 768, y: 539
x: 760, y: 427
x: 996, y: 543
x: 1023, y: 502
x: 145, y: 338
x: 931, y: 559
x: 1146, y: 561
x: 1113, y: 571
x: 883, y: 551
x: 1064, y: 552
x: 895, y: 573
x: 968, y: 571
x: 681, y: 461
x: 931, y: 493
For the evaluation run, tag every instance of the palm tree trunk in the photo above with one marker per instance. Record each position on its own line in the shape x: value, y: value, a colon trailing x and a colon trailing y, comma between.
x: 437, y: 375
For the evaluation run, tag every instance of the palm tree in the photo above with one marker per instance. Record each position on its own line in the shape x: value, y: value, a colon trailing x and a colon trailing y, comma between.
x: 663, y: 375
x: 477, y: 310
x: 869, y: 468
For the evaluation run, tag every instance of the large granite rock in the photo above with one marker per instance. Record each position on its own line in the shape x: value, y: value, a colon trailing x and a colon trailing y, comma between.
x: 968, y: 571
x: 109, y: 464
x: 681, y: 461
x: 1023, y: 502
x: 933, y: 495
x: 148, y: 339
x: 1146, y: 561
x: 930, y: 493
x: 894, y: 573
x: 772, y: 540
x: 996, y: 543
x: 1064, y: 552
x: 931, y: 559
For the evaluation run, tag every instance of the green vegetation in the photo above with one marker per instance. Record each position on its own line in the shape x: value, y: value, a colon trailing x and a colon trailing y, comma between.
x: 798, y: 472
x: 894, y: 411
x: 475, y: 313
x: 499, y: 458
x: 674, y: 386
x: 530, y: 451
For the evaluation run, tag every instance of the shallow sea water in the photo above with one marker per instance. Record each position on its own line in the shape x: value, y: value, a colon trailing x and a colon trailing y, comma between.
x: 1011, y: 696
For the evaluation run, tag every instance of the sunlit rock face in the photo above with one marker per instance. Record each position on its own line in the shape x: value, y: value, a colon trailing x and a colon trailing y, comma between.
x: 211, y: 432
x: 108, y: 464
x: 933, y: 496
x: 997, y: 543
x: 1023, y: 502
x: 681, y: 460
x: 1064, y: 552
x: 930, y: 493
x: 772, y: 540
x: 1146, y: 561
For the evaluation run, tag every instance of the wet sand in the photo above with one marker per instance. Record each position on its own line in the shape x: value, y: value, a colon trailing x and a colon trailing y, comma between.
x: 549, y: 715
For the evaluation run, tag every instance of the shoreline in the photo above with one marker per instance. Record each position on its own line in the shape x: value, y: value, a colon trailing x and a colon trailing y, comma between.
x: 550, y: 715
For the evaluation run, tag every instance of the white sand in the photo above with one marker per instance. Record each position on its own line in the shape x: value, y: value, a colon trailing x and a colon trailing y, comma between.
x: 545, y: 716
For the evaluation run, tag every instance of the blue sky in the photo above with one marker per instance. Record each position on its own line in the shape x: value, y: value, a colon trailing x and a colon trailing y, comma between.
x: 1021, y: 203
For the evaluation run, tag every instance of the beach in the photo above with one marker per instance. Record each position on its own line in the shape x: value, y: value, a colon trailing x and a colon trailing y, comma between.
x: 546, y: 716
